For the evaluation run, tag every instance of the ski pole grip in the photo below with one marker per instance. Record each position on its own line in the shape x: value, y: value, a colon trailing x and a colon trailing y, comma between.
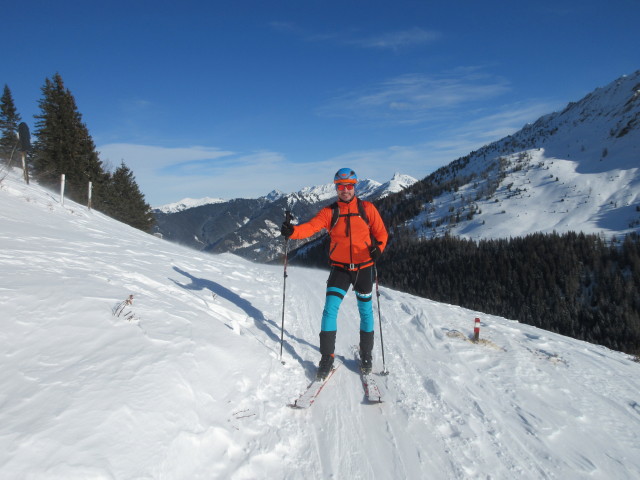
x: 288, y: 216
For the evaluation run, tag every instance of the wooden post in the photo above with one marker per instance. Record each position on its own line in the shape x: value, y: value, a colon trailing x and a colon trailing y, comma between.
x: 25, y: 145
x: 25, y: 171
x: 62, y: 189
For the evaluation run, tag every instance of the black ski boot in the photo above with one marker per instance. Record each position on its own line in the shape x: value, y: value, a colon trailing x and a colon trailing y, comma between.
x: 325, y: 367
x: 366, y: 347
x: 327, y: 347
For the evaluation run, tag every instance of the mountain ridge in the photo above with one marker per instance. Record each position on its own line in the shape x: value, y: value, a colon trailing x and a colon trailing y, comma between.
x: 572, y: 170
x: 248, y: 227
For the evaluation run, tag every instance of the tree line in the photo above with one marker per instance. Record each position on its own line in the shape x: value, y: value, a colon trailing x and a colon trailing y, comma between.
x: 574, y: 284
x: 63, y: 145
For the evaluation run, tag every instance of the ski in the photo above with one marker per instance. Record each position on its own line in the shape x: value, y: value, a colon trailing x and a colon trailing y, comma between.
x: 371, y: 388
x: 373, y: 391
x: 306, y: 399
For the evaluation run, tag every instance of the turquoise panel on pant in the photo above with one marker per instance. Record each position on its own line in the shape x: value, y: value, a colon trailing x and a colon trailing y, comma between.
x: 365, y: 307
x: 331, y: 307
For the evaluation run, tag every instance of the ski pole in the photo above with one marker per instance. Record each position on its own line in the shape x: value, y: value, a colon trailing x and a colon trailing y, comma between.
x: 384, y: 368
x: 287, y: 218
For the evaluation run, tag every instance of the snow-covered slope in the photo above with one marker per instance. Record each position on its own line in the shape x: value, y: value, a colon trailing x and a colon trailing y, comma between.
x: 574, y: 170
x: 187, y: 382
x: 537, y: 193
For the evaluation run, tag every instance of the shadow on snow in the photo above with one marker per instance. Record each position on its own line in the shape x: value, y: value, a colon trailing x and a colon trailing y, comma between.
x: 260, y: 321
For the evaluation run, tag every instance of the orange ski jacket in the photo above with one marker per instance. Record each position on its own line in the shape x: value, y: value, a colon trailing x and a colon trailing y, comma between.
x: 351, y: 237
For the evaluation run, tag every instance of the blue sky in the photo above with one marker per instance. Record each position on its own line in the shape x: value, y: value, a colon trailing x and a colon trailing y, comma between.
x: 237, y: 98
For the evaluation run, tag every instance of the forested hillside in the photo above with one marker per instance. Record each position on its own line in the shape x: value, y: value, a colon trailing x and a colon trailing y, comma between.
x: 573, y: 284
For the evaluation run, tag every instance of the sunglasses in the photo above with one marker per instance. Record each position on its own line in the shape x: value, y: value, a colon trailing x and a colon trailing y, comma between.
x: 341, y: 186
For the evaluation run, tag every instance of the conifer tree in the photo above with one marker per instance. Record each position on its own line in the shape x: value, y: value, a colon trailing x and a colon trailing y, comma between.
x: 126, y: 202
x: 9, y: 120
x: 64, y: 144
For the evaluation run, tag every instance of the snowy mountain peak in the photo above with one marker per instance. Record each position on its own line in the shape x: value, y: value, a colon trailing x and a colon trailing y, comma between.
x: 186, y: 203
x: 366, y: 189
x: 397, y: 183
x: 274, y: 195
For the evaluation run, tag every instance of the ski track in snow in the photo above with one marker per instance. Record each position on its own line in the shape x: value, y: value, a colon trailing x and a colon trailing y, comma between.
x: 192, y: 385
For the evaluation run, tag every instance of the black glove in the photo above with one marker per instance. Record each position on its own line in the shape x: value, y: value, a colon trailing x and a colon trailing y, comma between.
x: 375, y: 252
x: 287, y: 229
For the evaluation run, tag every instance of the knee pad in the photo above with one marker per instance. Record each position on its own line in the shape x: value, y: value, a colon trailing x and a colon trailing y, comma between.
x: 331, y: 307
x: 365, y: 307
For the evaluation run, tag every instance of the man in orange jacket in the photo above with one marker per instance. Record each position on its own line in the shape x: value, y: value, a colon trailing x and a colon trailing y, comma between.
x: 358, y: 238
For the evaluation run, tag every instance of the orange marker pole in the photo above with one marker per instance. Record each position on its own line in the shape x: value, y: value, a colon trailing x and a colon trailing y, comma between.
x: 476, y: 330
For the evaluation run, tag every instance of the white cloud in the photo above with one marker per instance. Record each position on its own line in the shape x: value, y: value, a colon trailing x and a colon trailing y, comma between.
x: 153, y: 157
x: 506, y: 120
x: 412, y: 99
x: 445, y: 146
x: 394, y: 40
x: 410, y: 37
x: 167, y: 175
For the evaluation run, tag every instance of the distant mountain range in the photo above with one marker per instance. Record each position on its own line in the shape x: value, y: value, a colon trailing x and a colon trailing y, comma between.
x: 573, y: 170
x: 248, y: 227
x: 187, y: 203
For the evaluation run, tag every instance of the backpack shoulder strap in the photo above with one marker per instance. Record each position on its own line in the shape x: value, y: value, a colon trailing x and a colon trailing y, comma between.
x: 365, y: 217
x: 335, y: 212
x: 362, y: 211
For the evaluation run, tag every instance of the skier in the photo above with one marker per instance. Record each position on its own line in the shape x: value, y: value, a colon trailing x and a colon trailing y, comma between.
x: 358, y: 238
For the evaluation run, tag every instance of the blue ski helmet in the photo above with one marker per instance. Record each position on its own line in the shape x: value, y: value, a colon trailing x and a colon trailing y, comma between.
x: 345, y: 175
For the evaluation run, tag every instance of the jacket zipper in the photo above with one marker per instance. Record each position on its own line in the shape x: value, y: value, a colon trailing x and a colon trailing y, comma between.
x: 350, y: 238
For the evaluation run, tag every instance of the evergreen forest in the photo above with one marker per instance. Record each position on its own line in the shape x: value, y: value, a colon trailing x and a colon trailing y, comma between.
x: 573, y: 284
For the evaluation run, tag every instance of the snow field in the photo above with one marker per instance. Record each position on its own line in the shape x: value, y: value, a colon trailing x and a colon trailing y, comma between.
x: 582, y: 199
x: 193, y: 387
